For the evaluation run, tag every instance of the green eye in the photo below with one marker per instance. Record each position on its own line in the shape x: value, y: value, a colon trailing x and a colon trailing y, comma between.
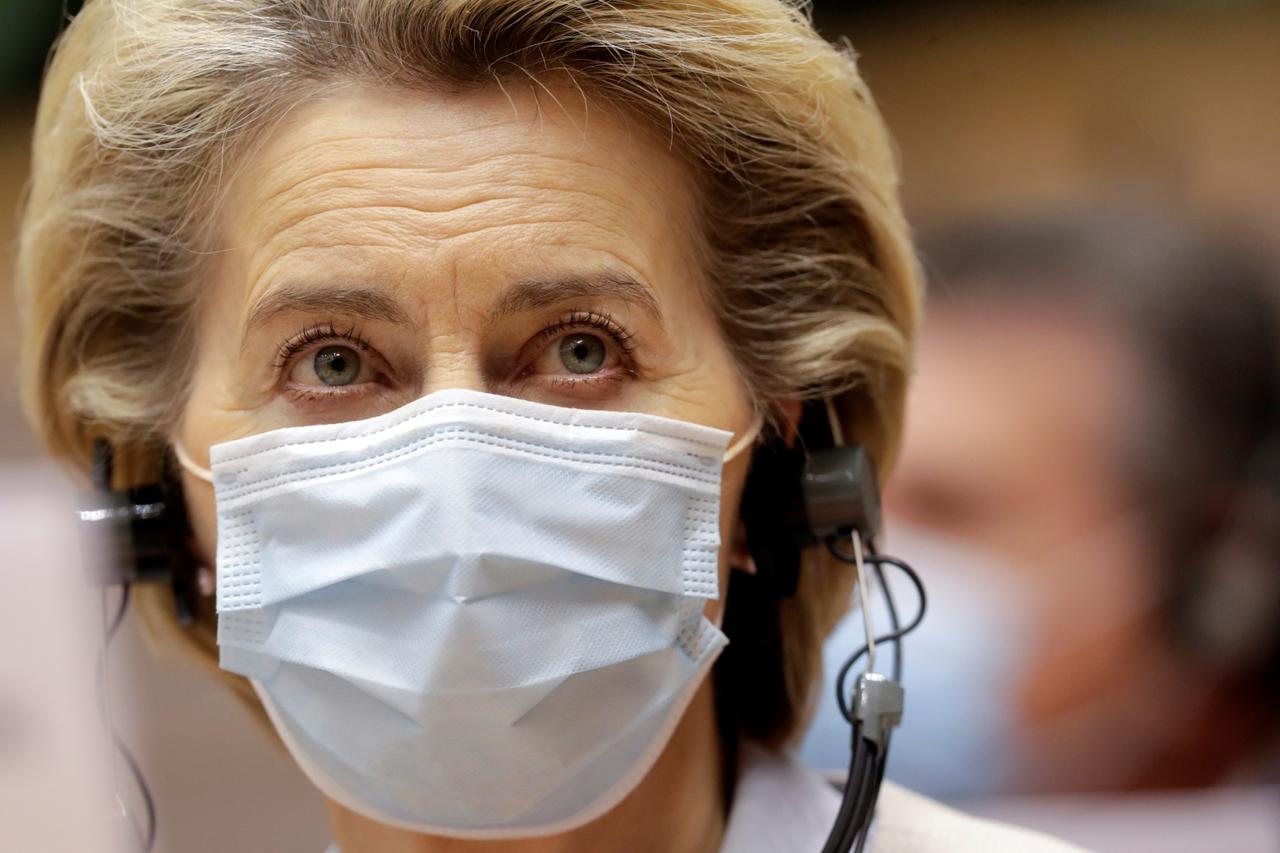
x: 582, y: 353
x: 337, y: 365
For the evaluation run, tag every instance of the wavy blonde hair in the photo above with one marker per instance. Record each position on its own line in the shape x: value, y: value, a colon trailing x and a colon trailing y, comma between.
x: 149, y: 104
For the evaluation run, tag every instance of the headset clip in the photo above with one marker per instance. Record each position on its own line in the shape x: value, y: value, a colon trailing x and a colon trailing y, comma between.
x: 877, y: 706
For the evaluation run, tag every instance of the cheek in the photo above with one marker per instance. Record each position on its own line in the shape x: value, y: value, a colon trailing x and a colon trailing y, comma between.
x: 203, y: 427
x: 203, y: 517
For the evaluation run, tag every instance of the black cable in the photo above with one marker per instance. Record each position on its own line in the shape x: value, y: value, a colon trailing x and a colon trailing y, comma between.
x: 857, y: 833
x: 837, y: 841
x: 108, y: 634
x: 876, y: 560
x: 116, y: 620
x: 868, y: 761
x: 882, y: 762
x: 865, y: 773
x: 148, y: 804
x: 864, y: 822
x: 148, y: 834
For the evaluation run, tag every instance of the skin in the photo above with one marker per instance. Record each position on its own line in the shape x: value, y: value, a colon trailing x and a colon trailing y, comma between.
x: 1012, y: 444
x: 442, y: 204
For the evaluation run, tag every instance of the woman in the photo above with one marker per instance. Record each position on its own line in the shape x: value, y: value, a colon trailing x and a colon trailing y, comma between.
x: 541, y: 262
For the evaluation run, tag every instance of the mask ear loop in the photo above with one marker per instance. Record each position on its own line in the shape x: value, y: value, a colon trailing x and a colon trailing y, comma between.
x: 745, y: 440
x: 190, y: 465
x: 735, y: 450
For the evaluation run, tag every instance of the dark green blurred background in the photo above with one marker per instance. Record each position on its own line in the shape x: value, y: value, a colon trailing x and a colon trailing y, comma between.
x: 29, y: 26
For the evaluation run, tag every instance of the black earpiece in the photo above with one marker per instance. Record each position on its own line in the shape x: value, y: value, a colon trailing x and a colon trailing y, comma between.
x: 802, y: 495
x: 145, y: 529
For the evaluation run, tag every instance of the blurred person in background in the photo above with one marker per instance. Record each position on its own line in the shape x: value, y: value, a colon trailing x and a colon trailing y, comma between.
x: 1091, y: 485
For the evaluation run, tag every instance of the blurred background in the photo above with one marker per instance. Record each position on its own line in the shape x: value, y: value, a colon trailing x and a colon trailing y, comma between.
x: 1095, y: 188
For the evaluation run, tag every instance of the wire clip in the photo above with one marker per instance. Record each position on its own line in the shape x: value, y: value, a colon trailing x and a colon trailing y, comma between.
x: 877, y: 706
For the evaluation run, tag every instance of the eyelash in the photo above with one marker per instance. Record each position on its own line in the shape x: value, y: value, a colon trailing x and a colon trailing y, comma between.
x: 602, y: 321
x: 314, y: 334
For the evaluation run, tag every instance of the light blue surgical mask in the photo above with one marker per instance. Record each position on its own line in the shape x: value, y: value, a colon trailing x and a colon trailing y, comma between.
x: 475, y: 616
x: 960, y: 672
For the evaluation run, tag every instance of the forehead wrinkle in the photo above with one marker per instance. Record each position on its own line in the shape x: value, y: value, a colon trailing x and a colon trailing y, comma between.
x: 468, y: 177
x: 462, y: 229
x: 333, y: 184
x: 468, y: 200
x: 390, y: 150
x: 408, y: 223
x: 307, y: 143
x: 367, y: 158
x: 398, y: 234
x: 530, y: 172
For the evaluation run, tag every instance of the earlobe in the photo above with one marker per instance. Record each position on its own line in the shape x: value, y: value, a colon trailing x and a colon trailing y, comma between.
x: 740, y: 558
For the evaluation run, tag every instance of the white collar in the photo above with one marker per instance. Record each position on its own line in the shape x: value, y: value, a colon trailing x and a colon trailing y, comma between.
x: 780, y: 806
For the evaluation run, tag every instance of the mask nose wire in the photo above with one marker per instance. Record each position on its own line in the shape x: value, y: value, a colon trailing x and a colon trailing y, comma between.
x: 190, y: 465
x: 745, y: 440
x: 734, y: 450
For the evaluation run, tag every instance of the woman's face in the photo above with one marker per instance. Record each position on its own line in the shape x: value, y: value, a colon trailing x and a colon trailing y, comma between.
x: 381, y: 245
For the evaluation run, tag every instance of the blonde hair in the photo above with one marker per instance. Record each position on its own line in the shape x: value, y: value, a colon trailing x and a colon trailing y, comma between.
x: 148, y: 104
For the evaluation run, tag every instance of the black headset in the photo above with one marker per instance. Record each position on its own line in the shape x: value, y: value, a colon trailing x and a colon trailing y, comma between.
x: 813, y: 492
x: 146, y: 530
x: 816, y: 492
x: 146, y: 533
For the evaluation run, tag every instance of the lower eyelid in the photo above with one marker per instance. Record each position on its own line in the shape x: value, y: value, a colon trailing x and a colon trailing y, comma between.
x: 320, y: 396
x: 604, y: 377
x: 353, y: 390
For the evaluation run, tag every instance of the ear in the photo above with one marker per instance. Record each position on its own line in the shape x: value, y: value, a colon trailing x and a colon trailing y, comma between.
x: 739, y: 554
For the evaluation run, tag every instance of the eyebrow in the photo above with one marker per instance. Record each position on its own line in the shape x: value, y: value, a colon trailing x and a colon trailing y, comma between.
x: 529, y: 294
x: 357, y: 301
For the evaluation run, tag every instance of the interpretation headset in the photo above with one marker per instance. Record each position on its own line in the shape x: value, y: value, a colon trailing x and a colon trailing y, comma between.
x: 816, y: 491
x: 146, y: 534
x: 146, y: 530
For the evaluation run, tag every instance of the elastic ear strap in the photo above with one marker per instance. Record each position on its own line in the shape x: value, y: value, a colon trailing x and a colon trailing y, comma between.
x: 190, y: 465
x: 746, y: 439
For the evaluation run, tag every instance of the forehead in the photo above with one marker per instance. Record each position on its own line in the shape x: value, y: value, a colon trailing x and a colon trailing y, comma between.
x: 483, y: 182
